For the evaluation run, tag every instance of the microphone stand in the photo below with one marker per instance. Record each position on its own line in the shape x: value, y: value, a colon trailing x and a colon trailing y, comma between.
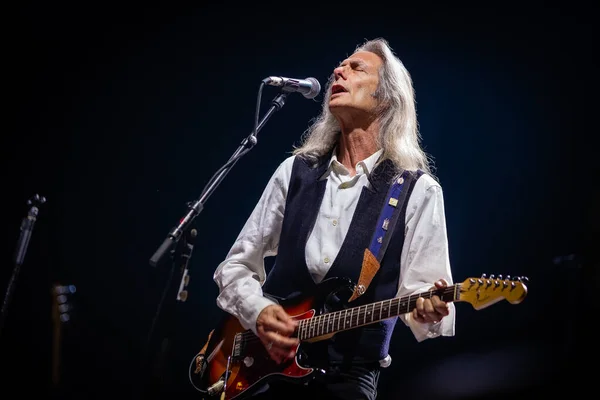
x: 26, y: 228
x: 181, y: 236
x: 197, y: 207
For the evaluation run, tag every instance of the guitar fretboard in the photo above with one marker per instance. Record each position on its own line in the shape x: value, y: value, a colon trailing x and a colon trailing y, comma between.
x: 354, y: 317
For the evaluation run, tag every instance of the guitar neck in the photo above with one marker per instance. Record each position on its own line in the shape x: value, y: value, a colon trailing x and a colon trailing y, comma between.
x: 350, y: 318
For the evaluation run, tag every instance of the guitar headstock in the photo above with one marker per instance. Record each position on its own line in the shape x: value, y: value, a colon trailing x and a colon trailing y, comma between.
x: 485, y: 291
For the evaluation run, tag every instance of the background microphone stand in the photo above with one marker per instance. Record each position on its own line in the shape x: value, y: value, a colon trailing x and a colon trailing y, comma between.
x: 179, y: 242
x: 26, y: 228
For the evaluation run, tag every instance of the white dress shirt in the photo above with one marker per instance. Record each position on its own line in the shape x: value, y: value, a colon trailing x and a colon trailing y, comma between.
x: 424, y: 259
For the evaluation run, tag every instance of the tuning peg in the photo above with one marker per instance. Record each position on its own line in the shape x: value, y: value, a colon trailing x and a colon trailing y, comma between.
x: 65, y: 289
x: 500, y: 277
x: 492, y: 276
x: 524, y: 279
x: 483, y: 276
x: 508, y: 277
x: 63, y: 308
x: 36, y: 199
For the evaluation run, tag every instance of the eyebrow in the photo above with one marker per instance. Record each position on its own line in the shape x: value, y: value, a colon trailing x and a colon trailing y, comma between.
x: 357, y: 62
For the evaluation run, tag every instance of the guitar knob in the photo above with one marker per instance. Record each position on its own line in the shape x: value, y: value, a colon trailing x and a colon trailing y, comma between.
x: 248, y: 361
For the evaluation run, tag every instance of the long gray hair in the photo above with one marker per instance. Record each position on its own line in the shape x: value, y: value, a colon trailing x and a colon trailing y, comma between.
x: 399, y: 136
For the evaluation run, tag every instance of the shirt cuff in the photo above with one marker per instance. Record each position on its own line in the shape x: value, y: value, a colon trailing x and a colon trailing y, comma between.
x: 445, y: 327
x: 249, y: 308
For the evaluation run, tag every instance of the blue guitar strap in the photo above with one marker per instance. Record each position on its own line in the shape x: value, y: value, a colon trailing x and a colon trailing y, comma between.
x: 388, y: 218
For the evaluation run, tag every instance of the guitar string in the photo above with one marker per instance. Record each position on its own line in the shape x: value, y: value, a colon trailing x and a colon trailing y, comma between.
x: 317, y: 322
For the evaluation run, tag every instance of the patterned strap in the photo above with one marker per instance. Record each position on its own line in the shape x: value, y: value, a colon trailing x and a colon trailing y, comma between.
x: 388, y: 218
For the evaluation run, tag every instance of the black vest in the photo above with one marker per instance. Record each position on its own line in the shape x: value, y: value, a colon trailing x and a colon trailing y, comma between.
x: 289, y: 274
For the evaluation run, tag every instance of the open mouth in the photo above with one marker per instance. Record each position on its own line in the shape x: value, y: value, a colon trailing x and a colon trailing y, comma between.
x: 337, y: 89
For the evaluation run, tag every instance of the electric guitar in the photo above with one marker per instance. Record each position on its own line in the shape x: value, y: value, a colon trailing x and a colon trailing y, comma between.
x: 234, y: 363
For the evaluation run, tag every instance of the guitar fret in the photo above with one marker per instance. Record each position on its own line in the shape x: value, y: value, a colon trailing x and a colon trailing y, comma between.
x: 306, y: 328
x: 373, y: 312
x: 321, y: 325
x: 348, y: 318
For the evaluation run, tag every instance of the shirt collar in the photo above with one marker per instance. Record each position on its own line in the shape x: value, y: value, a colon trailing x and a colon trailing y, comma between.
x: 367, y: 164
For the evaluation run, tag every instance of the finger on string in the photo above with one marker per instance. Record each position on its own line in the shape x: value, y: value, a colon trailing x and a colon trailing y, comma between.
x: 428, y: 307
x: 440, y: 306
x: 417, y: 316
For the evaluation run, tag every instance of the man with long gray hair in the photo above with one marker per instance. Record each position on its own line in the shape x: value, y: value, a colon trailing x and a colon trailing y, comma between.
x: 355, y: 220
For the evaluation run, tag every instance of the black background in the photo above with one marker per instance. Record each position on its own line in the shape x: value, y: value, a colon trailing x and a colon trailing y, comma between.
x: 119, y: 115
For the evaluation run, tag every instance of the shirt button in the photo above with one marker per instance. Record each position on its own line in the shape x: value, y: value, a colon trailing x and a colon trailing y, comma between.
x: 326, y: 260
x: 334, y: 222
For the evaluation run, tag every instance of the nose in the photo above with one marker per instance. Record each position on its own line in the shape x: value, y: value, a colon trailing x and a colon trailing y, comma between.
x: 339, y: 72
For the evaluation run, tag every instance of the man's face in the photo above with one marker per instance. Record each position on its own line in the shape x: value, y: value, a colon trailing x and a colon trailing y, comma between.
x: 356, y: 80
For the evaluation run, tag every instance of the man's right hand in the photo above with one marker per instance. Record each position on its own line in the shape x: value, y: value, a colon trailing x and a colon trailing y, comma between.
x: 275, y: 328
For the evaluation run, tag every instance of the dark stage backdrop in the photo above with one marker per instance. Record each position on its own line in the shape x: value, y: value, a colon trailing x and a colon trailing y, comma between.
x: 120, y: 115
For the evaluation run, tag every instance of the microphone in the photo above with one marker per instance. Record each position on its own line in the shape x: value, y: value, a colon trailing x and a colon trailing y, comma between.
x: 309, y: 87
